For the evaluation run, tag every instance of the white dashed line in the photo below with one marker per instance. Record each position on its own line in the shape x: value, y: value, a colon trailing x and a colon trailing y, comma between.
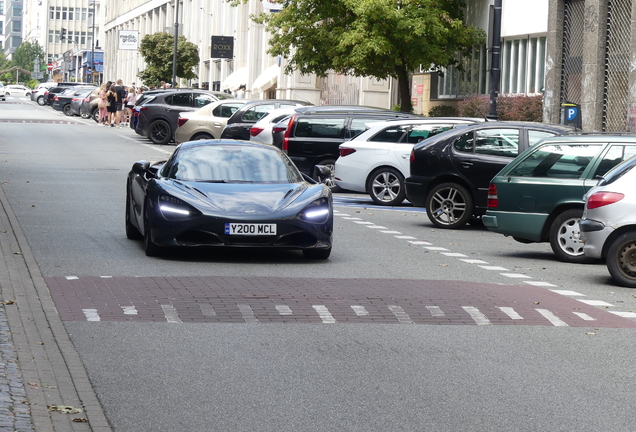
x: 207, y: 309
x: 324, y: 314
x: 516, y: 275
x: 568, y: 293
x: 360, y: 310
x: 71, y: 277
x: 404, y: 237
x: 453, y: 254
x: 390, y: 232
x: 361, y: 222
x: 129, y: 310
x: 624, y: 314
x: 248, y: 314
x: 421, y: 243
x: 436, y: 248
x: 595, y: 302
x: 284, y: 310
x: 436, y: 311
x: 401, y: 316
x: 171, y: 314
x: 584, y: 316
x: 376, y: 227
x: 494, y: 268
x: 550, y: 317
x: 478, y: 317
x: 91, y: 315
x: 510, y: 312
x: 474, y: 261
x: 352, y: 218
x: 539, y: 283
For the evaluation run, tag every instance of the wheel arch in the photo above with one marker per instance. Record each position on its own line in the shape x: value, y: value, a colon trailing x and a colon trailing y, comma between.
x: 614, y: 235
x: 448, y: 178
x: 545, y: 232
x: 377, y: 168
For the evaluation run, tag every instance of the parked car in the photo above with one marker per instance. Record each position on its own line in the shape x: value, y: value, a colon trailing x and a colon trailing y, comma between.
x: 88, y: 107
x: 539, y: 196
x: 377, y: 160
x: 43, y: 90
x: 159, y: 112
x: 450, y: 173
x: 17, y: 90
x: 2, y: 92
x: 608, y: 226
x: 238, y: 126
x: 262, y: 130
x: 227, y: 193
x: 314, y: 134
x: 207, y: 122
x: 76, y: 103
x: 62, y: 101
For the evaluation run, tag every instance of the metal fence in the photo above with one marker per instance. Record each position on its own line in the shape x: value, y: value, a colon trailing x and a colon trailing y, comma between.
x: 337, y: 89
x: 572, y: 68
x: 617, y: 55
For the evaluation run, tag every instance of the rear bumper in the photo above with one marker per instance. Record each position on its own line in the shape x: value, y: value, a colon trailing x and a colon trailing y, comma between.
x: 526, y: 226
x: 416, y: 189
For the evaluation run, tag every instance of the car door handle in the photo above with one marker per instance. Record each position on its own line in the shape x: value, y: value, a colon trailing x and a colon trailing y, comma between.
x: 406, y: 156
x: 467, y: 164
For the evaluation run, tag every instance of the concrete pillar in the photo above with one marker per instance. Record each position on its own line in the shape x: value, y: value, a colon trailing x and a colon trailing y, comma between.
x: 554, y: 62
x: 593, y: 76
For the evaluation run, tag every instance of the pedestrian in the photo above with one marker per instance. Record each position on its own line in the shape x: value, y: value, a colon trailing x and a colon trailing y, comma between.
x: 162, y: 85
x: 240, y: 92
x: 128, y: 105
x: 121, y: 97
x: 112, y: 105
x: 102, y: 105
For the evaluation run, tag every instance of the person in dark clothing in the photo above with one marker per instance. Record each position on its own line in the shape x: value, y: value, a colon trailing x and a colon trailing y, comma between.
x: 121, y: 97
x: 112, y: 105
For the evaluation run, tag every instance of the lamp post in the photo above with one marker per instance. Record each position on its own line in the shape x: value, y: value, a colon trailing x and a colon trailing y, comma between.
x: 495, y: 70
x: 93, y: 42
x: 176, y: 40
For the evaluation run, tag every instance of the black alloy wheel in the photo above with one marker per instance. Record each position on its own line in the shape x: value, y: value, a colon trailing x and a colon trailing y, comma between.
x: 449, y: 205
x: 67, y: 110
x: 621, y: 260
x: 386, y: 187
x: 160, y: 132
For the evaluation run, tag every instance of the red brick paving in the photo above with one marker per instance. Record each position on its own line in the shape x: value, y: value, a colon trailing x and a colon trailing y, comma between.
x: 186, y: 294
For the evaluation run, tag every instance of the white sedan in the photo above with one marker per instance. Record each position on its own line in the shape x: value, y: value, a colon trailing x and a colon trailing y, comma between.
x: 17, y: 90
x: 262, y: 131
x: 377, y: 161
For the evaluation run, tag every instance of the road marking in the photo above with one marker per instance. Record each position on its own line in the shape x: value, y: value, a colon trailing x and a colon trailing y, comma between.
x: 404, y: 237
x: 401, y: 316
x: 352, y: 218
x: 539, y: 283
x: 248, y: 314
x: 361, y: 222
x: 568, y: 293
x: 324, y: 314
x: 474, y: 261
x: 516, y: 275
x: 91, y: 315
x: 477, y: 316
x: 360, y: 310
x: 494, y: 268
x: 71, y: 277
x: 152, y: 146
x: 376, y: 227
x: 421, y: 243
x: 510, y: 312
x: 284, y: 310
x: 553, y: 319
x: 584, y: 316
x: 389, y: 231
x: 595, y: 302
x: 436, y: 311
x: 624, y: 314
x: 453, y: 254
x: 129, y: 310
x: 207, y: 309
x: 436, y: 248
x: 337, y: 213
x: 171, y: 314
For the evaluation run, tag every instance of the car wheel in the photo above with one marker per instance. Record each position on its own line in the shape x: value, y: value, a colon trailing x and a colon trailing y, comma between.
x: 329, y: 181
x: 67, y: 110
x: 565, y: 237
x: 85, y: 114
x: 95, y: 115
x: 386, y: 187
x: 621, y: 260
x: 131, y: 231
x: 151, y: 249
x: 201, y: 136
x: 317, y: 253
x: 160, y: 132
x: 41, y: 101
x: 449, y: 205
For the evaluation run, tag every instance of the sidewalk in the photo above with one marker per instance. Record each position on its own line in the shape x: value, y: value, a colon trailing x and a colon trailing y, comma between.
x: 39, y: 367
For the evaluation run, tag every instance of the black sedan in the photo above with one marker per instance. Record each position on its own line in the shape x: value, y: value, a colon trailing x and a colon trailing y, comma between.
x: 227, y: 193
x: 451, y: 172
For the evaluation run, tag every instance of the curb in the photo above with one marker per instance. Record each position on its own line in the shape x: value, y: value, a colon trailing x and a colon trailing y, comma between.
x: 51, y: 368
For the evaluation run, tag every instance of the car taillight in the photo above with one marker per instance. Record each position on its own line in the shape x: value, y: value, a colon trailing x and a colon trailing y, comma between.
x: 46, y: 93
x: 56, y: 98
x: 412, y: 158
x: 74, y: 99
x: 600, y: 199
x: 143, y: 108
x: 86, y: 100
x: 278, y: 129
x: 180, y: 122
x: 255, y: 131
x: 346, y: 151
x: 493, y: 199
x: 287, y: 133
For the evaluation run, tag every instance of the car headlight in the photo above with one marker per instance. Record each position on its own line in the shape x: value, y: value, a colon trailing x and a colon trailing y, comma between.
x: 316, y: 212
x: 174, y: 208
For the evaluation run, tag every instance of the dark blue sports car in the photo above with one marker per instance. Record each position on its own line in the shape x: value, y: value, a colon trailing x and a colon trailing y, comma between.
x: 227, y: 193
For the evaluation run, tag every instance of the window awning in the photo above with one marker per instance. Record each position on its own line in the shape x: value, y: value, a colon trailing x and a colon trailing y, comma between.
x: 266, y: 79
x: 235, y: 79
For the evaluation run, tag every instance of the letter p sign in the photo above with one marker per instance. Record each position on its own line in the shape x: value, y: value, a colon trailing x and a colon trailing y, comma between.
x: 572, y: 113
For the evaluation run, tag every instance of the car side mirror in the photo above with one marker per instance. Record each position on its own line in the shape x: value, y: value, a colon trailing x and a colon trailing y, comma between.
x: 141, y: 167
x: 323, y: 172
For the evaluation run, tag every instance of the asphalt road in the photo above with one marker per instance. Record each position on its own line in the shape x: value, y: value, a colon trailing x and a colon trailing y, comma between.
x: 65, y: 179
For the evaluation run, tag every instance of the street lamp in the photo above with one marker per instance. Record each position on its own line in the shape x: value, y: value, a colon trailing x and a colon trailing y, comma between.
x: 93, y: 41
x: 176, y: 41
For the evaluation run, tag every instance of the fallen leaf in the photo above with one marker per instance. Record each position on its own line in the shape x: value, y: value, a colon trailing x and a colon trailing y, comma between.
x: 65, y: 409
x: 8, y: 302
x: 17, y: 253
x: 79, y: 420
x: 537, y: 302
x: 591, y: 333
x: 29, y: 383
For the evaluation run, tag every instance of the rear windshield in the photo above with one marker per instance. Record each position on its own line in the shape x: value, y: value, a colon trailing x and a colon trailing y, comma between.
x: 557, y: 161
x: 320, y: 128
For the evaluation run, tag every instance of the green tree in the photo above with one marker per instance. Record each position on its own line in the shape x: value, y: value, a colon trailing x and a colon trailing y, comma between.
x: 380, y: 38
x: 25, y: 55
x: 4, y: 62
x: 157, y: 50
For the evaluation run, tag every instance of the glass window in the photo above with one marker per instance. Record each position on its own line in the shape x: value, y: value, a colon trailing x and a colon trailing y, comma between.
x: 615, y: 155
x: 51, y: 12
x: 84, y: 14
x: 557, y: 161
x: 16, y: 26
x: 1, y: 8
x: 179, y: 99
x: 534, y: 136
x: 1, y: 29
x: 226, y: 110
x: 257, y: 112
x: 58, y: 12
x: 497, y: 142
x: 391, y: 134
x: 464, y: 143
x: 421, y: 132
x: 70, y: 13
x: 16, y: 10
x: 320, y: 128
x: 202, y: 99
x: 51, y: 36
x: 64, y: 13
x: 359, y: 125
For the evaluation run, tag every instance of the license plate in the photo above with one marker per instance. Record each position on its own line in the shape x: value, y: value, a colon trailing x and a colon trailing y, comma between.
x: 250, y: 229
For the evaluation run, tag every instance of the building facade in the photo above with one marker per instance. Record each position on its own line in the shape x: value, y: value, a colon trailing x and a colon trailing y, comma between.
x: 11, y: 23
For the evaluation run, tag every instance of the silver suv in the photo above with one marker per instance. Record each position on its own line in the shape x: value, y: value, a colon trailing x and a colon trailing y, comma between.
x: 608, y: 226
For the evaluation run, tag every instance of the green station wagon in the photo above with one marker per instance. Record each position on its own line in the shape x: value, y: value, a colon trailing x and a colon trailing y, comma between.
x: 539, y: 196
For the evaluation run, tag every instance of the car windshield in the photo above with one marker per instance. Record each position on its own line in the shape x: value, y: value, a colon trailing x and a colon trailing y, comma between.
x: 231, y: 164
x: 557, y: 160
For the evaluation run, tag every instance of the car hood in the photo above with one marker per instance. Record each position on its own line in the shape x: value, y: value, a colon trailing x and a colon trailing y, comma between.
x: 243, y: 198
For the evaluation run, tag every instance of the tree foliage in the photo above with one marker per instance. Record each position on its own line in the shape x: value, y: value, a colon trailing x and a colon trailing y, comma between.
x: 157, y: 50
x: 26, y: 53
x: 380, y: 38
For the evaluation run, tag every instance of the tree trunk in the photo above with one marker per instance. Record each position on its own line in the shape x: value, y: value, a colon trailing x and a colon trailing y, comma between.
x: 404, y: 88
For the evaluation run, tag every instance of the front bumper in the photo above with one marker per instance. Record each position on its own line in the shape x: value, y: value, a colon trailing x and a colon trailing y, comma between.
x: 594, y: 235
